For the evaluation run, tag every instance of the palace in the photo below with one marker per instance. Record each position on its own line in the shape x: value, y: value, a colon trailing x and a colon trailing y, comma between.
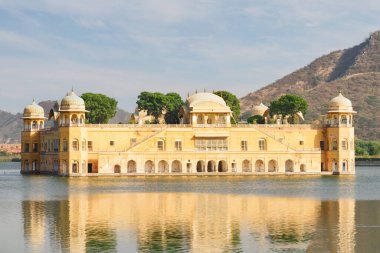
x: 205, y: 143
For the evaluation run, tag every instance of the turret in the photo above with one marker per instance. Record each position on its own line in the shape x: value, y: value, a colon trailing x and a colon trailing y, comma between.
x: 72, y: 110
x: 73, y: 135
x: 33, y: 121
x: 340, y: 155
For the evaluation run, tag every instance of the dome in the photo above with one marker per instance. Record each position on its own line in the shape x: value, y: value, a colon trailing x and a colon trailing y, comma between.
x: 33, y: 111
x: 340, y: 104
x: 72, y: 102
x: 205, y: 102
x: 205, y: 97
x: 259, y: 109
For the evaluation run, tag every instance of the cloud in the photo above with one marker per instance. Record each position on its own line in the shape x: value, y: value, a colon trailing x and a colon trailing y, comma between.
x: 20, y: 42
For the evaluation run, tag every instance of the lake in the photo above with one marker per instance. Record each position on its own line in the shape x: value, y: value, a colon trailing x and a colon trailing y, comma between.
x: 190, y: 214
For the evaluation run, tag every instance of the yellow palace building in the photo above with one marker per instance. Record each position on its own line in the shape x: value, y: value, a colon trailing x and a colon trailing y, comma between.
x: 205, y: 143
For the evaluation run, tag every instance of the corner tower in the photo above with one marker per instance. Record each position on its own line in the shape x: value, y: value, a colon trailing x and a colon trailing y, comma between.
x: 340, y: 155
x: 33, y: 121
x: 72, y: 134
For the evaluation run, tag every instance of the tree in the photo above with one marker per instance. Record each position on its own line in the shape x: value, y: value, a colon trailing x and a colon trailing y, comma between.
x: 151, y: 102
x: 173, y: 103
x: 232, y: 101
x: 101, y: 108
x: 288, y: 106
x: 256, y: 119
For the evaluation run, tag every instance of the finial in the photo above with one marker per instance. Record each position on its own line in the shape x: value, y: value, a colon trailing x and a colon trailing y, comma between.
x: 196, y: 91
x: 72, y: 88
x: 188, y: 94
x: 204, y: 89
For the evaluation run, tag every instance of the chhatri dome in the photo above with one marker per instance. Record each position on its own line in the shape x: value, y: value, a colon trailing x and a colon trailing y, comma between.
x: 72, y: 102
x: 340, y: 104
x: 206, y: 102
x: 33, y: 111
x: 259, y: 109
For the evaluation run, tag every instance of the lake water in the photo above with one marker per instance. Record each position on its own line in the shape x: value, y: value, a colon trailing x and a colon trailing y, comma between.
x: 190, y: 214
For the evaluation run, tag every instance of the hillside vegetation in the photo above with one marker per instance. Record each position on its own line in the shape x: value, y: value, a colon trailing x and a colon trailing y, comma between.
x: 354, y: 71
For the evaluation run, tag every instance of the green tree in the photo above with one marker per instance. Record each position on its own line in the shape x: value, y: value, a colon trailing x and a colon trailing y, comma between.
x: 232, y: 101
x: 288, y: 106
x: 256, y: 119
x: 152, y: 102
x: 173, y: 104
x: 101, y: 108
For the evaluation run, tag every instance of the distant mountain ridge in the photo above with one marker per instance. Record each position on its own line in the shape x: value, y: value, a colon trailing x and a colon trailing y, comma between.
x: 354, y: 71
x: 11, y: 124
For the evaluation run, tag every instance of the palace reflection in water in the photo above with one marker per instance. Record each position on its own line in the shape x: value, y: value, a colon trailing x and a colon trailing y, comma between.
x: 197, y: 222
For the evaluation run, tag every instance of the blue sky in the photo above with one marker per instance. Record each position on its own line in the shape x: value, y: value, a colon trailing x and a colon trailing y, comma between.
x: 121, y: 48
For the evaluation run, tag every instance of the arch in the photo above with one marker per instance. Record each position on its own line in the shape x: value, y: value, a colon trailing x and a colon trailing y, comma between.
x: 211, y: 119
x: 34, y: 124
x: 149, y: 167
x: 163, y: 166
x: 222, y: 166
x: 344, y: 166
x: 131, y: 166
x: 246, y: 166
x: 116, y: 168
x: 272, y: 166
x: 303, y: 168
x: 176, y: 166
x: 289, y: 166
x: 259, y: 166
x: 74, y: 119
x: 211, y: 166
x: 200, y: 119
x: 334, y: 165
x: 41, y: 124
x: 343, y: 119
x: 201, y: 166
x: 82, y: 120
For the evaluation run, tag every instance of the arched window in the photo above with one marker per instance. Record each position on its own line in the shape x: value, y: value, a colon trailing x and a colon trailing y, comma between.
x: 344, y: 144
x: 201, y: 166
x: 334, y: 144
x: 131, y: 167
x: 289, y: 166
x: 259, y: 166
x: 75, y: 145
x: 246, y: 166
x: 116, y: 168
x: 272, y: 166
x: 163, y: 166
x: 176, y: 166
x: 149, y: 167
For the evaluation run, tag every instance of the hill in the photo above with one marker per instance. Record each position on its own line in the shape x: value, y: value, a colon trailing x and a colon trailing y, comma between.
x: 354, y: 71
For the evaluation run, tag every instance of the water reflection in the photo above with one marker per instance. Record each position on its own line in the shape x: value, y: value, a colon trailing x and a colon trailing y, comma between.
x: 195, y: 222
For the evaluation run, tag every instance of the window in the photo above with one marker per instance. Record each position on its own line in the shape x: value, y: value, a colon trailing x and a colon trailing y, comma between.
x: 244, y: 145
x: 344, y: 145
x: 65, y: 145
x: 133, y: 141
x: 262, y: 145
x: 334, y: 144
x: 26, y: 147
x: 35, y: 147
x: 112, y: 143
x: 322, y: 145
x: 75, y: 145
x: 178, y: 145
x: 211, y: 144
x: 160, y: 145
x: 89, y: 145
x: 302, y: 142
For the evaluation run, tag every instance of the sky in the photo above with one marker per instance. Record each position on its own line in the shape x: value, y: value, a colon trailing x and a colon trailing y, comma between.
x: 123, y: 47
